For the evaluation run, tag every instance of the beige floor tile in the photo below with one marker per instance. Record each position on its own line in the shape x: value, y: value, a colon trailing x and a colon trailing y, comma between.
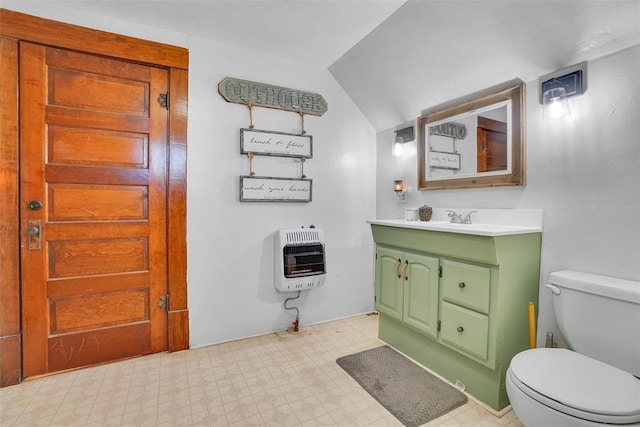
x: 276, y: 380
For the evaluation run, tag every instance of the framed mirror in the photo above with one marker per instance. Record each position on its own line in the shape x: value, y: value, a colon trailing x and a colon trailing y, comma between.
x: 475, y: 142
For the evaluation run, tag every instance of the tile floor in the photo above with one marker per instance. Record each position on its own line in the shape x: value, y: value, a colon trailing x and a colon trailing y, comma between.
x: 279, y: 379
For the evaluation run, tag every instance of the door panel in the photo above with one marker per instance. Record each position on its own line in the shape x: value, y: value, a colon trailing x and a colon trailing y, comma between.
x: 75, y: 202
x: 93, y: 144
x: 96, y: 147
x: 491, y: 145
x: 75, y: 350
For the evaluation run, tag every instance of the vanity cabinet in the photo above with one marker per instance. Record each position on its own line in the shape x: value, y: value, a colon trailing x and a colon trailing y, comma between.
x: 457, y: 303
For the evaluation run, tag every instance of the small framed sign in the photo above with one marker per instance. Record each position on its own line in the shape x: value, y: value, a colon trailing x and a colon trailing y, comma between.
x: 444, y: 160
x: 270, y: 189
x: 269, y: 143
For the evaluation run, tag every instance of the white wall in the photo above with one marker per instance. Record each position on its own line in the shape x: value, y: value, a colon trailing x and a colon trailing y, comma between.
x: 231, y: 290
x: 584, y: 172
x: 230, y: 244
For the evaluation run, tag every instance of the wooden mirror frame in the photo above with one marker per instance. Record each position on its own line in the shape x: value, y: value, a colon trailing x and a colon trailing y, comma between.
x: 513, y: 91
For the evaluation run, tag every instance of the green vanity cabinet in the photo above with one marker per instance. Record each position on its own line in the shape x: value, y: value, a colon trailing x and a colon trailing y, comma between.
x: 457, y: 303
x: 407, y: 288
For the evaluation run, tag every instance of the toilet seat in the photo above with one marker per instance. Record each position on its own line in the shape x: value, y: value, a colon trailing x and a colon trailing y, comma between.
x: 577, y: 385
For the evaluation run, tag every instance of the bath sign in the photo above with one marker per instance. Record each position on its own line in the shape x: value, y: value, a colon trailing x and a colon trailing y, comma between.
x: 269, y: 143
x: 270, y: 96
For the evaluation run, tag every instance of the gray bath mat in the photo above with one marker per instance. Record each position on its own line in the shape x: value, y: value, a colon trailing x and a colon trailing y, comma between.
x: 411, y: 394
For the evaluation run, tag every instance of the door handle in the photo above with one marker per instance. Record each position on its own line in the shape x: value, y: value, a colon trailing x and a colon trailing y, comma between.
x: 34, y: 234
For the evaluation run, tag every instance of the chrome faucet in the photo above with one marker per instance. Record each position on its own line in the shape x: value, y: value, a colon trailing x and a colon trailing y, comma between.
x: 467, y: 218
x: 455, y: 218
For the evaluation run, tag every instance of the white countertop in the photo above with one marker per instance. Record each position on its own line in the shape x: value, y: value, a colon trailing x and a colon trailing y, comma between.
x: 486, y: 222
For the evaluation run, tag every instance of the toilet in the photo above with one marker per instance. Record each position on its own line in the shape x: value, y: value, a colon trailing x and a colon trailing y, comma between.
x: 597, y: 382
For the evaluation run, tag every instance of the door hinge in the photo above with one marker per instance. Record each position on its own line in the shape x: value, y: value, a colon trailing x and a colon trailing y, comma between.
x: 163, y: 302
x: 439, y: 325
x: 440, y: 271
x: 163, y: 100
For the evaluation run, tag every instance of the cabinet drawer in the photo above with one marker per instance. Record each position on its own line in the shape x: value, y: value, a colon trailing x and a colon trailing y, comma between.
x: 466, y: 284
x: 464, y: 329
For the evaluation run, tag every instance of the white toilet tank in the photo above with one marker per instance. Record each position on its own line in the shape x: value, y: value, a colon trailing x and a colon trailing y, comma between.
x: 599, y: 316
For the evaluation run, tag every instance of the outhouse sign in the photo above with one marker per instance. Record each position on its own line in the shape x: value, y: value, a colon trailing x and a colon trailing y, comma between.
x: 264, y: 95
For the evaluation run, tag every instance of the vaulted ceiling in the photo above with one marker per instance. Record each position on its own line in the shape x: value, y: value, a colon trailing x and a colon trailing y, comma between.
x: 429, y: 52
x: 393, y: 57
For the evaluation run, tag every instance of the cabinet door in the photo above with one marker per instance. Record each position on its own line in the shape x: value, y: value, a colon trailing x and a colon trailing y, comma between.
x: 421, y: 293
x: 388, y: 282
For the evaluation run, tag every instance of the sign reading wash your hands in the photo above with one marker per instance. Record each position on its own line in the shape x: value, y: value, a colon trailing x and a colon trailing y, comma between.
x: 268, y: 189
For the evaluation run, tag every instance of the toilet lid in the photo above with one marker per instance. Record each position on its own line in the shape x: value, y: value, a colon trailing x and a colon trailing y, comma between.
x: 579, y: 382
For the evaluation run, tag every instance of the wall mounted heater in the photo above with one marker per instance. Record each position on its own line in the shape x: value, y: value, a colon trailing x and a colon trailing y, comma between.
x: 300, y: 262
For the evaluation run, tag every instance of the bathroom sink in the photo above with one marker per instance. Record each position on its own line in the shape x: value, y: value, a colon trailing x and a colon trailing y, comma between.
x: 448, y: 227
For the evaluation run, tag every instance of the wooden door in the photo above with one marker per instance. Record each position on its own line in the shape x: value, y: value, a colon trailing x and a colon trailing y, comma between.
x: 93, y: 153
x: 491, y: 145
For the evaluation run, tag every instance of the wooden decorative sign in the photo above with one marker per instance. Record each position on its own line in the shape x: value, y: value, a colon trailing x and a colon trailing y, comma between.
x: 269, y: 189
x: 264, y: 95
x: 269, y: 143
x: 450, y: 129
x: 444, y: 160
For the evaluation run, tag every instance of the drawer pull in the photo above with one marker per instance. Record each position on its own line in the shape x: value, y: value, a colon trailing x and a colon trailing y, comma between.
x: 460, y: 329
x: 461, y: 285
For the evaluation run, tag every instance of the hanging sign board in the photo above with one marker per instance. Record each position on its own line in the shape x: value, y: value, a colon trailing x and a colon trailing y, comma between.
x: 450, y: 129
x: 270, y: 189
x: 443, y: 160
x: 265, y: 95
x: 269, y: 143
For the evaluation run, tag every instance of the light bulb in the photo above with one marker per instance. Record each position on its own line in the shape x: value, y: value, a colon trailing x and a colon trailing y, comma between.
x: 398, y: 147
x: 554, y: 103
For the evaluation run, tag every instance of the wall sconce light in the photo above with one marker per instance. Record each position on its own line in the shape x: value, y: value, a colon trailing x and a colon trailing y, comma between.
x: 557, y: 87
x: 402, y: 137
x: 555, y: 104
x: 398, y: 146
x: 400, y: 190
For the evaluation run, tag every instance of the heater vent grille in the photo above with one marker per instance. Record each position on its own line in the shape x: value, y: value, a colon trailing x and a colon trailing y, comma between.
x: 302, y: 236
